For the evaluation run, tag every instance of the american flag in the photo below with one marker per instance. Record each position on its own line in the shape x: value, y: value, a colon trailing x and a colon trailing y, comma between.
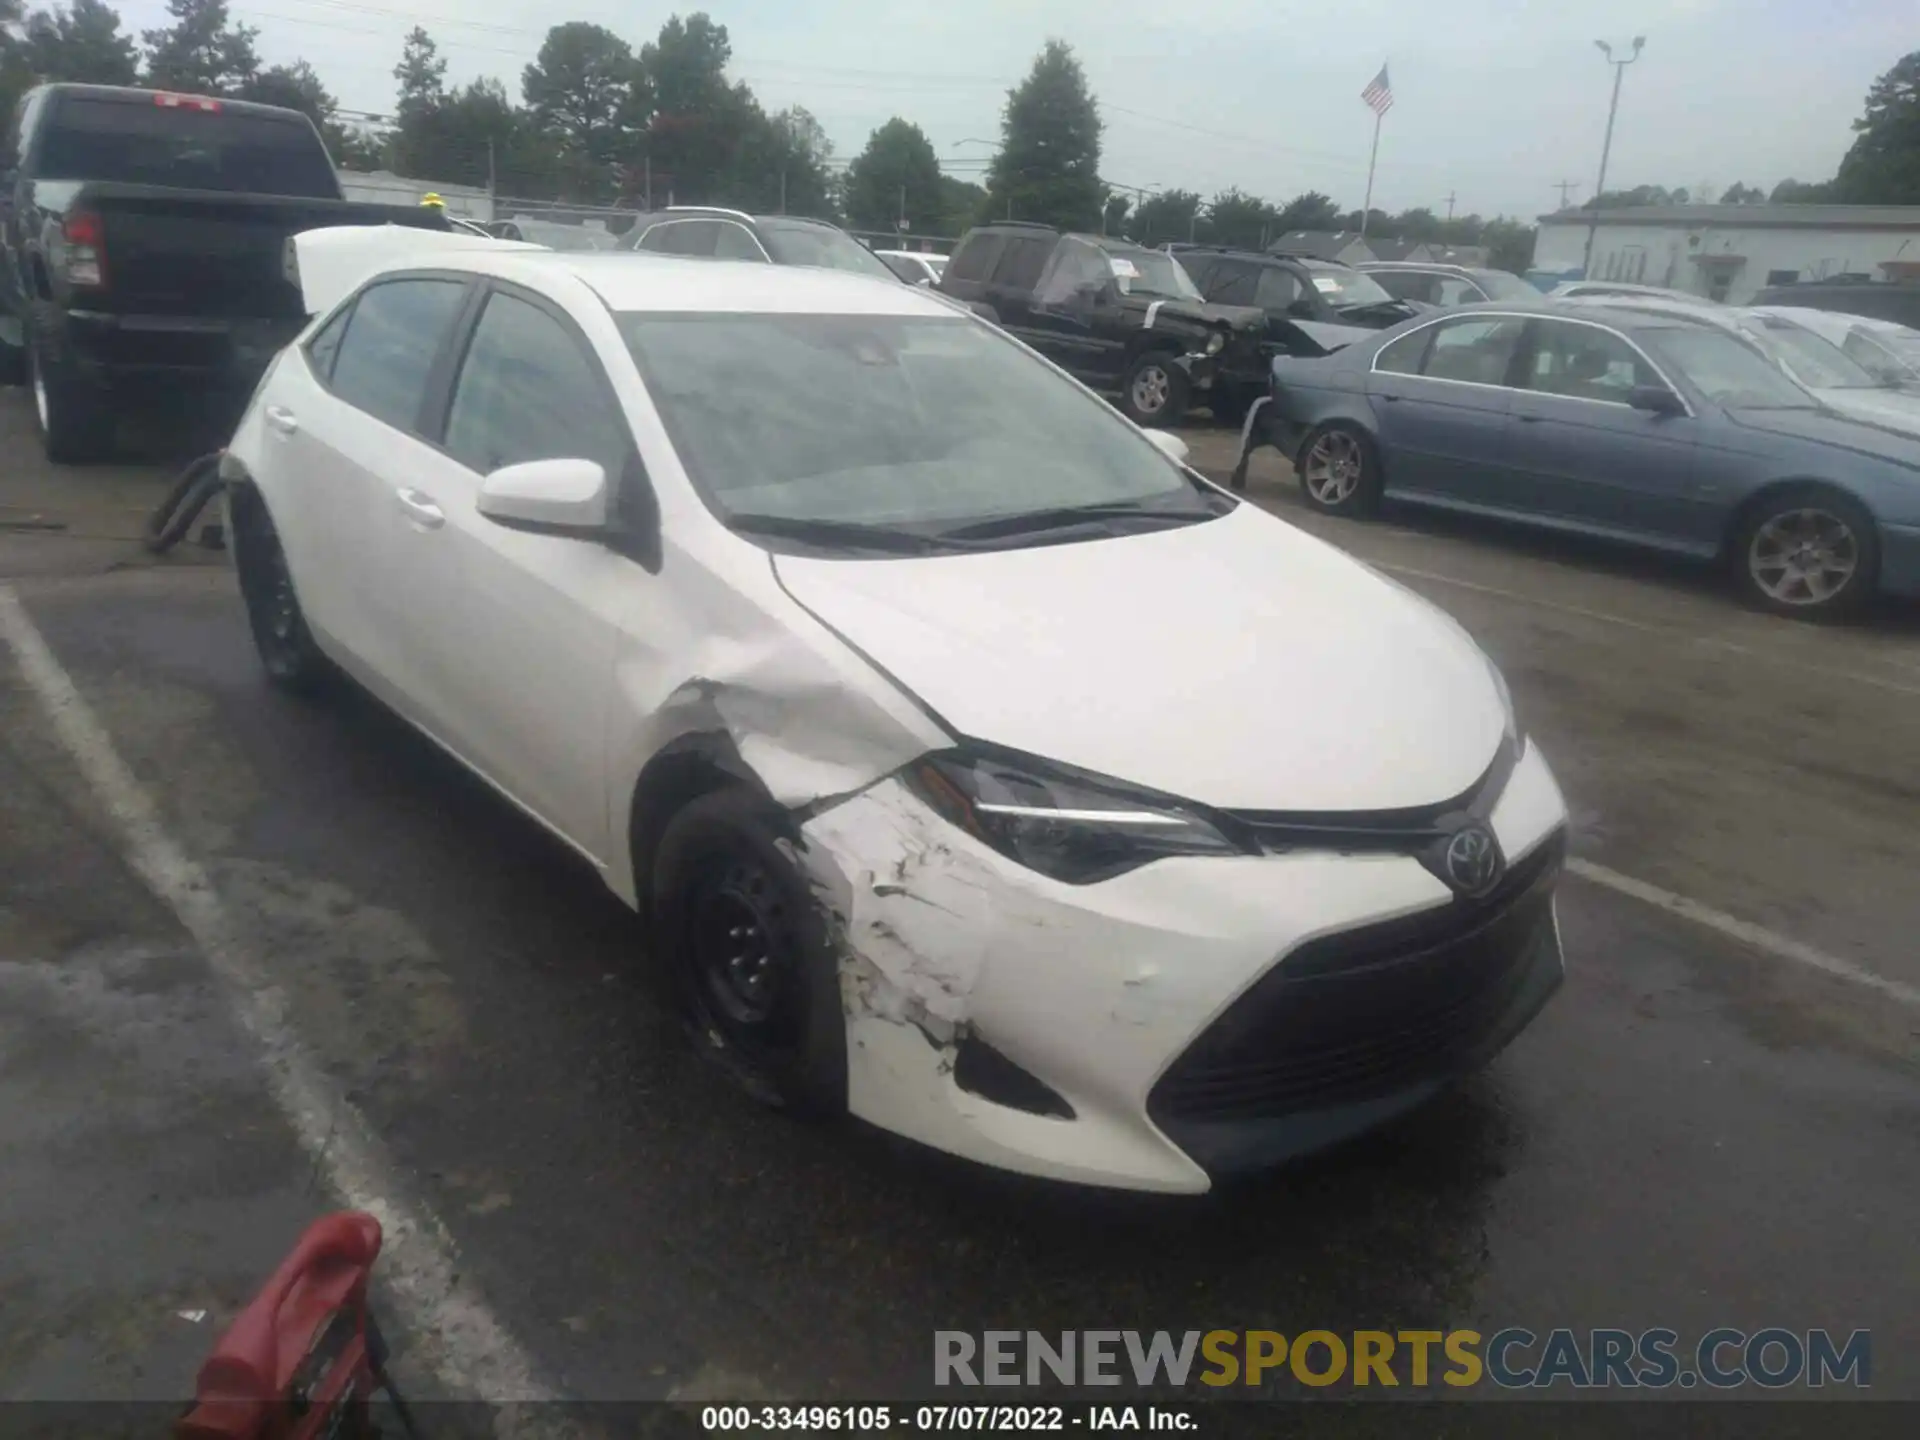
x: 1378, y: 94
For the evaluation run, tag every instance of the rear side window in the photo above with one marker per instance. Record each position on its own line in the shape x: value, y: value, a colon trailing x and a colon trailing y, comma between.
x: 1022, y: 261
x: 391, y: 341
x: 976, y: 257
x: 529, y: 390
x: 1278, y: 288
x: 139, y: 142
x: 324, y: 346
x: 682, y: 237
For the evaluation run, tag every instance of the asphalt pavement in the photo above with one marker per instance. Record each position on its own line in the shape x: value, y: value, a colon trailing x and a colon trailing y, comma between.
x: 1716, y: 1123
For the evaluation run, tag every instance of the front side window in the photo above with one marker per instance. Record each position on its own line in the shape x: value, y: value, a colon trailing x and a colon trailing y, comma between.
x: 1346, y: 288
x: 1478, y: 351
x: 795, y: 242
x: 1277, y: 289
x: 916, y: 424
x: 1152, y: 273
x: 1405, y: 284
x: 736, y: 242
x: 528, y: 390
x: 1885, y: 363
x: 975, y: 259
x: 394, y: 334
x: 1456, y: 291
x: 1076, y: 269
x: 1585, y: 363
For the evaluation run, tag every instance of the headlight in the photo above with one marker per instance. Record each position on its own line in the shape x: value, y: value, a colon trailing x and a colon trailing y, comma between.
x: 1216, y: 342
x: 1070, y: 827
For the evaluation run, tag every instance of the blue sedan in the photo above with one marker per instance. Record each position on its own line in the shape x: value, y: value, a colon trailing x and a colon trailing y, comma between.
x: 1647, y: 428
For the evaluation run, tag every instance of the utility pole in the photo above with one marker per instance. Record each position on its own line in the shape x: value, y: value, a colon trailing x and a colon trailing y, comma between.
x: 1606, y: 145
x: 1449, y: 207
x: 1563, y: 187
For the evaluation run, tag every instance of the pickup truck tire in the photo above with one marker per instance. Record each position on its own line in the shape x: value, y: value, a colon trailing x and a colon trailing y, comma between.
x: 1154, y: 390
x: 69, y: 410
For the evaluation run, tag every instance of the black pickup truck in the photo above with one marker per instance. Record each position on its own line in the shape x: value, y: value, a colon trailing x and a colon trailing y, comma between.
x: 143, y: 250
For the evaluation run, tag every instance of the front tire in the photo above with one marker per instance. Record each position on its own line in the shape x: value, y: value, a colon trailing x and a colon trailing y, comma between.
x: 753, y: 970
x: 1807, y: 552
x: 1155, y: 390
x: 1339, y: 471
x: 287, y: 650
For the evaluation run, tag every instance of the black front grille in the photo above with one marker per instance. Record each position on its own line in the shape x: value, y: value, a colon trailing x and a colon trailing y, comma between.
x: 1368, y: 1012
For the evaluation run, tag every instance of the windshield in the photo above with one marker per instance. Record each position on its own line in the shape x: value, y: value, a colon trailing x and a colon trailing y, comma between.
x: 822, y: 247
x: 1726, y: 369
x: 909, y: 423
x: 183, y: 147
x: 1152, y: 272
x: 1814, y: 362
x: 1499, y: 285
x: 1346, y: 289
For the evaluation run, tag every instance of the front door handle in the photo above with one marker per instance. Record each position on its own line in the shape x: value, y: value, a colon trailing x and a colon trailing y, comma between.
x: 420, y: 508
x: 283, y: 419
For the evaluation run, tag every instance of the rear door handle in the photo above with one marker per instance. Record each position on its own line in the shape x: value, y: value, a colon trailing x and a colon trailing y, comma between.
x: 283, y: 419
x: 420, y: 508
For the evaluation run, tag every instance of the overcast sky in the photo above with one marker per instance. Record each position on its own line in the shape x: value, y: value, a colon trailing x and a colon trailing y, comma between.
x: 1495, y: 100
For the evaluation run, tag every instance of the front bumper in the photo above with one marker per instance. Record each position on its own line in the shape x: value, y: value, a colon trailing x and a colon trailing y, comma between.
x: 121, y: 351
x: 1115, y: 996
x: 1900, y: 560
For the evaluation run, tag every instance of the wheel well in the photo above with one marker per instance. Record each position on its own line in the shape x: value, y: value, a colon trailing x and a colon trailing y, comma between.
x: 1747, y: 508
x: 688, y: 768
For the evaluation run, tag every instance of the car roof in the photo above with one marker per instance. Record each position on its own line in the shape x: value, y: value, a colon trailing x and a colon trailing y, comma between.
x: 1624, y: 316
x: 664, y: 283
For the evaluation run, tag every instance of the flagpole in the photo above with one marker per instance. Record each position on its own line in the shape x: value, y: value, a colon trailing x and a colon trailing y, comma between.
x: 1366, y: 206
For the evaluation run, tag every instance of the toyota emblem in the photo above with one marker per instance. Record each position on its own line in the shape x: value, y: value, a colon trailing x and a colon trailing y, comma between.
x: 1472, y: 860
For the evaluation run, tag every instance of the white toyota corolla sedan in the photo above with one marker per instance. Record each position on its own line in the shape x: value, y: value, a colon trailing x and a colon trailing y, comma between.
x: 976, y: 768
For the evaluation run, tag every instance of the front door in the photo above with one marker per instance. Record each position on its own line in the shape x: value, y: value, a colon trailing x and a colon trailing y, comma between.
x: 1072, y: 318
x: 1580, y: 452
x: 1441, y: 397
x: 530, y: 646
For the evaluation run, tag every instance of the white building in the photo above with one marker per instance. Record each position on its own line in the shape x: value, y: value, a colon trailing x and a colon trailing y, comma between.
x: 383, y: 187
x: 1728, y: 252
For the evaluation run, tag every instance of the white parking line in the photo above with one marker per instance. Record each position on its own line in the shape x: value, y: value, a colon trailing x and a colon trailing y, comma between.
x: 1710, y: 642
x: 1760, y: 938
x: 464, y: 1342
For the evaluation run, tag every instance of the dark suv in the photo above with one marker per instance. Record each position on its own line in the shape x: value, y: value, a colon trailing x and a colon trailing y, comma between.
x: 708, y: 232
x: 1115, y: 314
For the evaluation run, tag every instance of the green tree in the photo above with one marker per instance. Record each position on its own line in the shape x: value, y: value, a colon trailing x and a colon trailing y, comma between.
x: 896, y: 177
x: 1048, y: 164
x: 15, y: 74
x: 1742, y: 195
x: 1113, y: 220
x: 1802, y: 192
x: 960, y: 202
x: 1509, y: 244
x: 418, y: 143
x: 1882, y: 167
x: 81, y: 43
x: 700, y: 119
x: 203, y: 52
x: 1419, y: 223
x: 1167, y: 215
x: 780, y: 164
x: 586, y: 91
x: 1308, y: 211
x: 1236, y: 218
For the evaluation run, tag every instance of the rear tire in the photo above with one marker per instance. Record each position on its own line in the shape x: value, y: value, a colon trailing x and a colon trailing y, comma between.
x: 287, y: 650
x: 1807, y: 552
x: 70, y: 410
x: 1339, y: 471
x: 754, y: 972
x: 1155, y: 390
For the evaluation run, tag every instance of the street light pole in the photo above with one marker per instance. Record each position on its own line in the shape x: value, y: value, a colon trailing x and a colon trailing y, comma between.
x: 1606, y: 145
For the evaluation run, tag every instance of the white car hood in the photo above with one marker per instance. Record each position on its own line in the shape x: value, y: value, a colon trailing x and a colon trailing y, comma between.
x: 1237, y: 662
x: 1892, y: 409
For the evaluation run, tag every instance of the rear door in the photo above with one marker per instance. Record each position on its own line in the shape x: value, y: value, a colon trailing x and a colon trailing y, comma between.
x: 1580, y: 452
x: 367, y: 475
x: 1442, y: 396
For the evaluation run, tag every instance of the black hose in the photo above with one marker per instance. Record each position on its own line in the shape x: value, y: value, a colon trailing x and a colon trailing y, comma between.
x: 196, y: 485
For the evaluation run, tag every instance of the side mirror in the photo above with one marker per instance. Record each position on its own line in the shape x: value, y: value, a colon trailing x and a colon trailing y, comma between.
x: 925, y: 282
x: 1169, y: 445
x: 1657, y: 399
x: 548, y: 497
x: 1301, y: 309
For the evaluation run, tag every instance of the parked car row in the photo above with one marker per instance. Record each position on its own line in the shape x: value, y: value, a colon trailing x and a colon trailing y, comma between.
x: 1662, y: 424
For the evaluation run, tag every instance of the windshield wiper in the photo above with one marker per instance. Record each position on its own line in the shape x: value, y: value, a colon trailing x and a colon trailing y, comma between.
x: 1066, y: 517
x: 882, y: 538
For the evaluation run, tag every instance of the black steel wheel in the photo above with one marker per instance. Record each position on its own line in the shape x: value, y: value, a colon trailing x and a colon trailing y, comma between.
x: 747, y: 951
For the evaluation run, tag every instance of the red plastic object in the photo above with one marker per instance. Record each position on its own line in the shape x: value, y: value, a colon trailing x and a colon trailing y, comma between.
x: 295, y: 1364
